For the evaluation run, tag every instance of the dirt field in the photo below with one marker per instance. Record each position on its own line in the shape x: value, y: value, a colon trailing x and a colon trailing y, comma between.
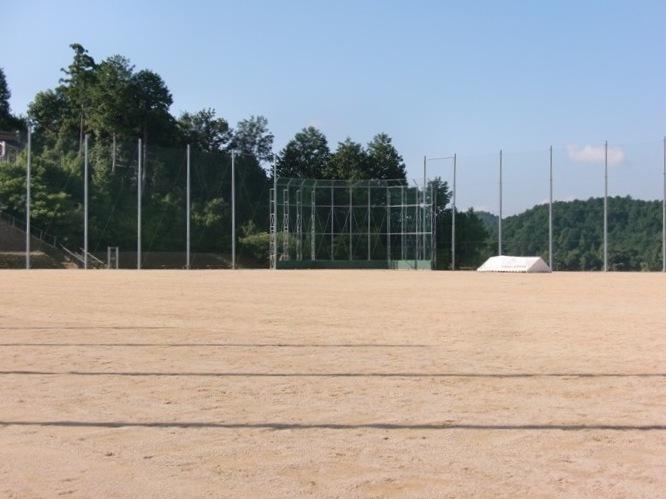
x: 331, y: 383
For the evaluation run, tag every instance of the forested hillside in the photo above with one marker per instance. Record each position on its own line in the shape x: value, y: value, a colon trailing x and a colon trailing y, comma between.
x: 634, y: 233
x: 114, y: 104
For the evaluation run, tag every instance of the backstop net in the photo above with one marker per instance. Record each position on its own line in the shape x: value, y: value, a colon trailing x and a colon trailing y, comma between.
x: 351, y: 224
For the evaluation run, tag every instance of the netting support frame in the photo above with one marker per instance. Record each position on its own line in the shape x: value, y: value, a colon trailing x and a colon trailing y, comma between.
x: 397, y: 228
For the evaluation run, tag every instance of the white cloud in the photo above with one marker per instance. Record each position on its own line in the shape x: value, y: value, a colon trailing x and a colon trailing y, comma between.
x: 595, y: 155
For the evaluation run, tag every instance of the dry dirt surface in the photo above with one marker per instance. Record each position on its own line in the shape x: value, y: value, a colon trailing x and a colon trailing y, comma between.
x: 331, y: 384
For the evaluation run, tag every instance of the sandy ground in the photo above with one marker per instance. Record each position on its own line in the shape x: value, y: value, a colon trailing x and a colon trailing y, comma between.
x: 331, y: 383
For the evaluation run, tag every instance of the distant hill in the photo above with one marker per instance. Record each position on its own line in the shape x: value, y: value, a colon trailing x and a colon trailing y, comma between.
x: 634, y: 233
x: 490, y: 221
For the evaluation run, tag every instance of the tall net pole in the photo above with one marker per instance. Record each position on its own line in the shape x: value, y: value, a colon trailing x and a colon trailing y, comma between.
x: 433, y: 229
x: 272, y: 216
x: 499, y: 227
x: 550, y: 213
x: 606, y: 206
x: 299, y: 224
x: 423, y: 221
x: 313, y: 225
x: 663, y: 218
x: 28, y: 181
x: 113, y: 154
x: 187, y: 212
x: 432, y: 225
x: 351, y: 219
x: 368, y: 223
x: 139, y: 174
x: 285, y: 224
x: 233, y: 209
x: 402, y: 222
x: 388, y: 225
x: 85, y: 202
x: 453, y: 216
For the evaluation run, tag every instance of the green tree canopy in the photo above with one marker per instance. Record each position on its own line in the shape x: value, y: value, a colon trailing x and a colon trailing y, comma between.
x: 253, y: 138
x: 350, y: 161
x: 306, y: 155
x: 204, y: 131
x: 384, y: 160
x: 8, y: 122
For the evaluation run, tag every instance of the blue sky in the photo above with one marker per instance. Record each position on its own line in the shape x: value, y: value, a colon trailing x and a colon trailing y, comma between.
x: 439, y: 77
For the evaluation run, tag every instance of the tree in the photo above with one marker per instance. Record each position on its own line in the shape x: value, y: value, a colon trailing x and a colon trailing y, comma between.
x: 203, y: 130
x: 384, y: 159
x: 152, y: 100
x: 112, y: 97
x: 349, y: 162
x: 79, y: 80
x: 253, y: 138
x: 305, y: 156
x: 46, y: 114
x: 8, y: 121
x: 5, y: 95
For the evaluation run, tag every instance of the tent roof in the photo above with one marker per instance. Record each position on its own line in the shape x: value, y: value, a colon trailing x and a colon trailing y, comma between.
x: 530, y: 264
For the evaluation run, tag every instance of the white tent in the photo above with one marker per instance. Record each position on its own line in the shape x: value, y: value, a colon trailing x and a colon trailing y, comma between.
x: 529, y: 264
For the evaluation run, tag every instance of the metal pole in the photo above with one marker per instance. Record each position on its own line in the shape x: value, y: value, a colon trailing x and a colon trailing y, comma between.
x: 663, y: 218
x: 285, y: 224
x: 85, y: 202
x: 275, y: 213
x: 402, y: 222
x: 299, y: 223
x: 27, y: 200
x: 113, y: 155
x: 233, y: 209
x: 138, y: 214
x: 434, y: 229
x: 368, y: 223
x: 187, y: 210
x: 499, y: 231
x: 423, y: 220
x: 453, y: 217
x: 606, y: 206
x: 388, y: 226
x: 432, y: 225
x: 313, y: 231
x: 351, y: 219
x: 550, y: 213
x: 417, y: 224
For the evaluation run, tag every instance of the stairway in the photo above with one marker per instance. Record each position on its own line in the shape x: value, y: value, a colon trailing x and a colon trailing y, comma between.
x: 12, y: 249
